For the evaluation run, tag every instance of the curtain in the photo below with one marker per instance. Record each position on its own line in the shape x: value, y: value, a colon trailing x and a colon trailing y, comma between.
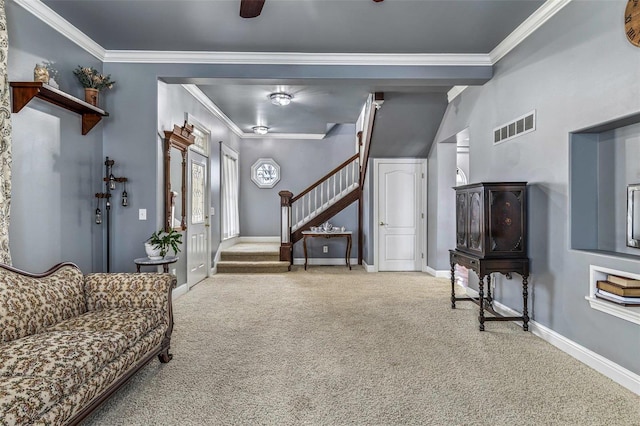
x: 230, y: 193
x: 5, y: 140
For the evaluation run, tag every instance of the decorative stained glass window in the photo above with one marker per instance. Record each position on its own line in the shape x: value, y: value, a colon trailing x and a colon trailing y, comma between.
x: 197, y: 193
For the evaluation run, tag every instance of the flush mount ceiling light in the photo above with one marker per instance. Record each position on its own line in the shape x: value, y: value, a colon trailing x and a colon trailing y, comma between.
x: 260, y: 130
x: 280, y: 98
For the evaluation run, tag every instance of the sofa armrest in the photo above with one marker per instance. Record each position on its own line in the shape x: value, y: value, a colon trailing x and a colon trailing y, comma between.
x: 129, y: 290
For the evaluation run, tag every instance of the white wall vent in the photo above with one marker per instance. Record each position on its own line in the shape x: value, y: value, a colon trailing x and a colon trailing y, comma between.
x: 517, y: 127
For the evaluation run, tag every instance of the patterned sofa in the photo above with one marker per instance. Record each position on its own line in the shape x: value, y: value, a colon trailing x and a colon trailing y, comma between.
x: 68, y: 341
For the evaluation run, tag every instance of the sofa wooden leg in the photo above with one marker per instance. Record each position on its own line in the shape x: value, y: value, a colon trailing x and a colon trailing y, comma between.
x: 165, y: 356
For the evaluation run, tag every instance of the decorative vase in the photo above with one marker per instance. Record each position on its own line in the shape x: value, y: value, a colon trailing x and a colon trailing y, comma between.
x: 152, y: 253
x: 40, y: 73
x: 91, y: 96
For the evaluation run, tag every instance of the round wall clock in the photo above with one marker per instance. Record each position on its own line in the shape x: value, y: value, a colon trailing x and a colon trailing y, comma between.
x: 632, y: 22
x: 265, y: 173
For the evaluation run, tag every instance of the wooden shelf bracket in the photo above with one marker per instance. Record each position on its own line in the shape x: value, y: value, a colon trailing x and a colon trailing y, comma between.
x: 24, y: 92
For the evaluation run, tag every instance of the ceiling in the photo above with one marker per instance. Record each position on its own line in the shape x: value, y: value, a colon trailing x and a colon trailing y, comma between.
x: 303, y: 26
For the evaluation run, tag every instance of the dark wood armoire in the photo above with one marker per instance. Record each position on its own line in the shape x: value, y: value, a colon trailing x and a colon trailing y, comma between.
x: 491, y: 236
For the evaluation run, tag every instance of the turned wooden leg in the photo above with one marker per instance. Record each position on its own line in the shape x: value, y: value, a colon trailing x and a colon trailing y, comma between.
x: 525, y: 310
x: 453, y: 286
x: 489, y: 297
x: 481, y: 294
x: 165, y: 356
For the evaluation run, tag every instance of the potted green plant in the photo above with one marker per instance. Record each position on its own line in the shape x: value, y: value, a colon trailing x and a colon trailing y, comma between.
x: 159, y: 243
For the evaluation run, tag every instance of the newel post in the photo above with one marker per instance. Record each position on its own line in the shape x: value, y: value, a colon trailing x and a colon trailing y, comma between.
x: 286, y: 247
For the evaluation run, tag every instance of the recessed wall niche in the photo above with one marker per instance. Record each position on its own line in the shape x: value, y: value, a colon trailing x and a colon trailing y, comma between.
x: 604, y: 160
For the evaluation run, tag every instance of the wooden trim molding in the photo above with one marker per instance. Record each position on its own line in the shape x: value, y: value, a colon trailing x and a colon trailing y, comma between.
x: 179, y: 138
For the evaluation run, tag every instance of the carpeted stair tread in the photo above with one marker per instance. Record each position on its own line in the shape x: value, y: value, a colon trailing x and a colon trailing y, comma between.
x: 257, y: 256
x: 226, y: 266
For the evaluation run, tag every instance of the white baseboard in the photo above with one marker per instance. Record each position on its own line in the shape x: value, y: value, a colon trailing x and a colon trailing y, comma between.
x: 223, y: 245
x: 258, y: 239
x: 179, y: 291
x: 610, y: 369
x: 438, y: 274
x: 324, y: 261
x: 369, y: 268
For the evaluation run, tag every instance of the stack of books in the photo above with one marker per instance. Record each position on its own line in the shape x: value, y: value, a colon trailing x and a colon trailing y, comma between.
x: 620, y: 290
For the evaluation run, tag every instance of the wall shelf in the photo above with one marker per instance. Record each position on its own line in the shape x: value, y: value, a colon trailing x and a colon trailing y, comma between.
x: 23, y: 92
x: 599, y: 273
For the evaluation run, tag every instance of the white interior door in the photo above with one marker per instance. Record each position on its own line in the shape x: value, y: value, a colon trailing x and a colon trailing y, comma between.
x: 198, y: 219
x: 399, y: 212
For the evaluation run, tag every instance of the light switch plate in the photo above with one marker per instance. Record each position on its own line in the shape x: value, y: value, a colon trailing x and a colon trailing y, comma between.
x: 213, y: 211
x: 142, y: 214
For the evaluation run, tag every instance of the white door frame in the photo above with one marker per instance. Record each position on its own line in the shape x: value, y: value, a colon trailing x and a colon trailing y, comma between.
x: 206, y: 154
x: 207, y: 220
x: 422, y: 223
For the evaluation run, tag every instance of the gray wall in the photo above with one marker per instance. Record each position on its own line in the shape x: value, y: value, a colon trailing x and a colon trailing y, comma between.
x: 575, y: 71
x: 441, y: 178
x: 406, y: 124
x: 174, y: 102
x: 302, y: 163
x: 56, y: 171
x: 130, y: 133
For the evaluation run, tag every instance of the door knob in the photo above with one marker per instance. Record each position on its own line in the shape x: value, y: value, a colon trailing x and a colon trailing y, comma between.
x: 382, y: 223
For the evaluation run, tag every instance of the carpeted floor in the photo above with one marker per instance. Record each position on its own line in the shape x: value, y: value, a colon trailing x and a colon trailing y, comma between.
x: 335, y: 347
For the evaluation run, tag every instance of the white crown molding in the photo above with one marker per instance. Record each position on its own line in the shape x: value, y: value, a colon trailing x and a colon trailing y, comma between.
x: 531, y: 24
x: 517, y: 36
x: 64, y: 27
x: 455, y: 91
x: 212, y: 108
x: 217, y: 112
x: 524, y: 30
x: 297, y: 58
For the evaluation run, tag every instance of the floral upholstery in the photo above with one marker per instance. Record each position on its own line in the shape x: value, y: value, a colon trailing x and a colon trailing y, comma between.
x: 71, y: 338
x: 133, y: 323
x: 70, y: 405
x: 28, y: 397
x: 72, y: 356
x: 147, y: 290
x: 29, y: 305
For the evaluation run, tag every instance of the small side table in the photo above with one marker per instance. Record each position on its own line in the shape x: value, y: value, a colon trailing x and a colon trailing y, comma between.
x: 323, y: 234
x: 145, y: 261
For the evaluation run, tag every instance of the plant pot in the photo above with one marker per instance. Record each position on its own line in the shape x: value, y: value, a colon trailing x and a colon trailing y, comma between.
x: 152, y: 253
x: 91, y: 96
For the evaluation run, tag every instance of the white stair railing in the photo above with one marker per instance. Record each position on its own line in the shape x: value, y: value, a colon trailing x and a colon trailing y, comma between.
x: 326, y: 192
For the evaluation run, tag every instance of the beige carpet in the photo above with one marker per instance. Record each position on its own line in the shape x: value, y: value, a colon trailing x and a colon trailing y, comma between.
x: 336, y: 347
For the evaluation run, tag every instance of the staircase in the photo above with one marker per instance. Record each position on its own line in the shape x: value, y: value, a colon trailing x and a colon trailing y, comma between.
x: 331, y: 194
x: 244, y: 258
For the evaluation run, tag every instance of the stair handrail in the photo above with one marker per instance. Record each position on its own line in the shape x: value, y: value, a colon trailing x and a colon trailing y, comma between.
x: 377, y: 99
x: 348, y: 182
x: 325, y: 177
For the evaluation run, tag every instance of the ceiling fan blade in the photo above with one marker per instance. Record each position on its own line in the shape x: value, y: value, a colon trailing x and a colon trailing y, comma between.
x: 250, y: 8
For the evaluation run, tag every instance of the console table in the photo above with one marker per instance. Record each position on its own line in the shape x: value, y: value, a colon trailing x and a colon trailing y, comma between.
x: 329, y: 234
x: 483, y: 268
x: 145, y: 261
